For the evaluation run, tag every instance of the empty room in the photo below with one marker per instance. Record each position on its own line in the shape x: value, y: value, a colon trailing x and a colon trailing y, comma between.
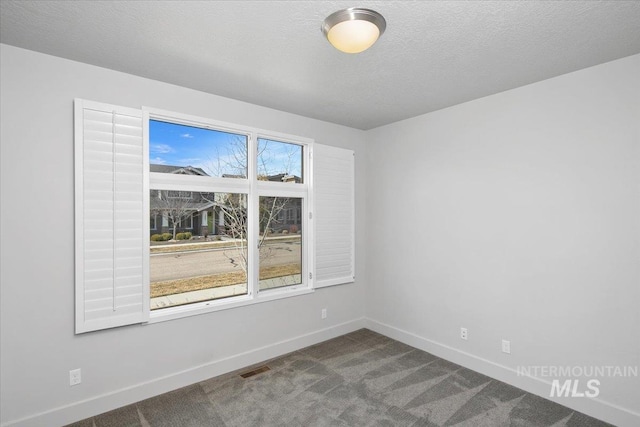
x: 319, y: 213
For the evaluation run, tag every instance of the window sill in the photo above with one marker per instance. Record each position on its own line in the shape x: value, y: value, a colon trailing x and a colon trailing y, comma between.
x: 204, y: 307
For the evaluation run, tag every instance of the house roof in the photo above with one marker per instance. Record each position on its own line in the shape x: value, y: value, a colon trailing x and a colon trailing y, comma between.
x: 282, y: 177
x: 180, y: 170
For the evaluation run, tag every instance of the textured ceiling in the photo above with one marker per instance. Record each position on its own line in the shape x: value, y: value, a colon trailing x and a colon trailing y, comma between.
x: 272, y: 53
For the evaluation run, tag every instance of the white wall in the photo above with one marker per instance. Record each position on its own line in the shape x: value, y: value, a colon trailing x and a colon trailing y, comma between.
x: 518, y: 217
x: 38, y: 345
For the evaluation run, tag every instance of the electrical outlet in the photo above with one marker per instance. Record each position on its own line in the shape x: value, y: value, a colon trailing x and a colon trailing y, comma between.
x: 75, y: 377
x: 323, y: 314
x: 463, y: 333
x: 506, y: 346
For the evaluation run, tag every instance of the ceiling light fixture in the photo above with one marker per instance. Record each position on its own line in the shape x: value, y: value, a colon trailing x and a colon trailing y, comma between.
x: 353, y: 30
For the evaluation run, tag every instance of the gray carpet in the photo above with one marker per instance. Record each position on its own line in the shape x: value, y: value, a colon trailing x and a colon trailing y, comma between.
x: 359, y: 379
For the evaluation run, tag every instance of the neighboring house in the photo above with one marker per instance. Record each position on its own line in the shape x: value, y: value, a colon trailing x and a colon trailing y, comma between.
x: 289, y: 217
x: 178, y: 170
x: 283, y: 177
x: 192, y: 211
x: 200, y: 213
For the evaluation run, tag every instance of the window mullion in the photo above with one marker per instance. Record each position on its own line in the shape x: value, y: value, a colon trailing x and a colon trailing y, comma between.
x: 252, y: 217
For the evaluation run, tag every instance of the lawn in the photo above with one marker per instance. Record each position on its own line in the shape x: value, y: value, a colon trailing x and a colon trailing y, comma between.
x: 178, y: 286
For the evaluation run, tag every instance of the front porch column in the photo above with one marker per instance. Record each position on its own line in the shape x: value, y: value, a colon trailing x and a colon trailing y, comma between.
x: 165, y: 223
x: 221, y: 229
x: 204, y: 223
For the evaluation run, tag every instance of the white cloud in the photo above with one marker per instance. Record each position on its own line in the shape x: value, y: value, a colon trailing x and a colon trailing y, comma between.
x: 158, y: 161
x: 161, y: 148
x: 186, y: 135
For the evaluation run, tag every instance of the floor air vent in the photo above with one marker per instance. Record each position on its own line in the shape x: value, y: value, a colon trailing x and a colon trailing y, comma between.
x: 256, y: 371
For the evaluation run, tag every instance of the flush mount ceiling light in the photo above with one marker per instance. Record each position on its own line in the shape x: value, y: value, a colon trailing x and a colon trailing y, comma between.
x: 353, y: 30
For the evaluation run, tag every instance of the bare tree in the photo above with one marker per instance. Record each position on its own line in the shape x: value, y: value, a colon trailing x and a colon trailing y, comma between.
x: 288, y: 160
x: 233, y: 208
x: 274, y: 158
x: 176, y: 206
x: 270, y: 209
x: 231, y: 160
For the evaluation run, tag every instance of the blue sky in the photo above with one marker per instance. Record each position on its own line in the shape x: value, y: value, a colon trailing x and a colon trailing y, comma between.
x: 217, y: 152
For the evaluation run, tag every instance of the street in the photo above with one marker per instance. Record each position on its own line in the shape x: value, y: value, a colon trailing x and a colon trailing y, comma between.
x: 181, y: 265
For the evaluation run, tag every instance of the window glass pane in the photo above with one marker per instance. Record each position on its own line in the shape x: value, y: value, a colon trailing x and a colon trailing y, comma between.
x: 188, y: 150
x: 279, y: 161
x: 280, y: 242
x: 199, y: 247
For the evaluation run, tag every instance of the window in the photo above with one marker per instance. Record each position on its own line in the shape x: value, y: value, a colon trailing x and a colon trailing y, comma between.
x: 186, y: 223
x: 280, y: 243
x: 178, y: 215
x: 182, y: 149
x: 203, y: 171
x: 172, y: 194
x: 202, y: 269
x: 279, y: 161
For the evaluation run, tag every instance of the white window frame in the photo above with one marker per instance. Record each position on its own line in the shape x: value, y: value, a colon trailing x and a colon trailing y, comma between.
x: 254, y: 190
x: 117, y: 138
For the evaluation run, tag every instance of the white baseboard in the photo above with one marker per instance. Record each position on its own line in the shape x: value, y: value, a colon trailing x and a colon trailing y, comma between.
x: 593, y: 407
x: 106, y: 402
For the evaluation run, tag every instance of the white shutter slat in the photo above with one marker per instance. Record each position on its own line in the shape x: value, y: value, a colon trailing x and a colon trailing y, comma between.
x: 111, y: 215
x: 334, y: 216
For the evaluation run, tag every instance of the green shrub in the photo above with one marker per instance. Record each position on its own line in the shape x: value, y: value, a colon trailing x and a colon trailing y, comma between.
x: 187, y: 235
x: 180, y: 236
x: 167, y: 236
x: 157, y: 238
x: 183, y: 236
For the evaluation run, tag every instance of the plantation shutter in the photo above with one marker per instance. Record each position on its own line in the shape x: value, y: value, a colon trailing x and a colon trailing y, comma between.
x: 111, y: 205
x: 334, y: 215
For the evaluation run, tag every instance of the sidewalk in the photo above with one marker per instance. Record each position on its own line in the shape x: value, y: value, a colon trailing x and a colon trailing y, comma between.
x: 220, y: 292
x: 218, y: 243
